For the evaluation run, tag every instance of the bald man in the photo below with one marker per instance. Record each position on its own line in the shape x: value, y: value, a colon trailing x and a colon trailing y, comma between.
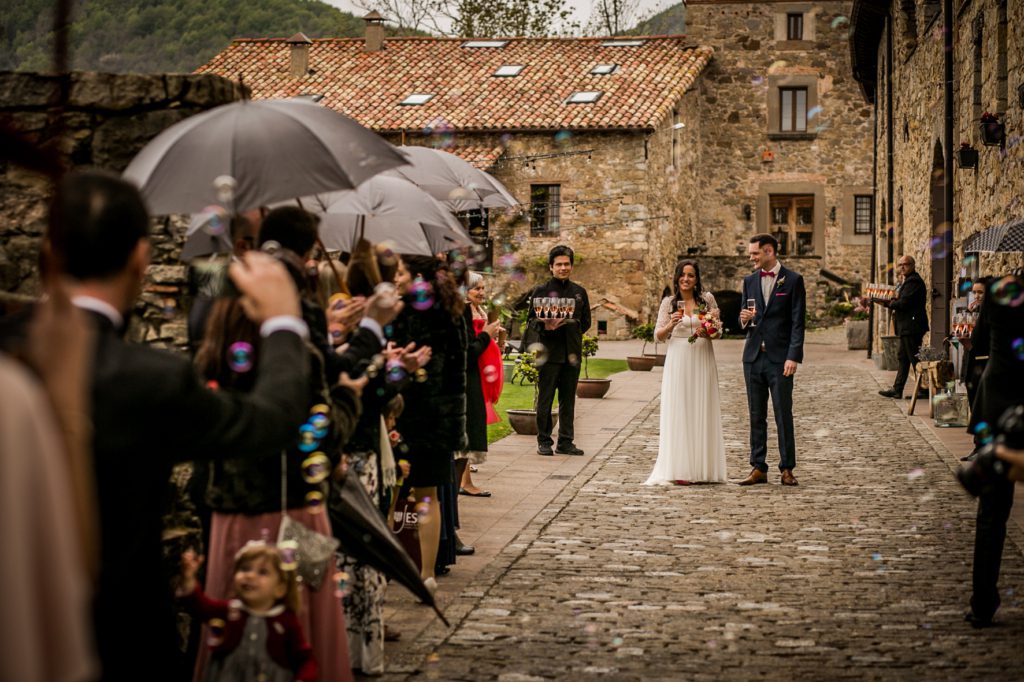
x: 911, y: 320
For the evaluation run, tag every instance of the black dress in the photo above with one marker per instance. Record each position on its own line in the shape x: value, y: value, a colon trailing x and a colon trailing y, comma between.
x: 476, y: 409
x: 433, y: 424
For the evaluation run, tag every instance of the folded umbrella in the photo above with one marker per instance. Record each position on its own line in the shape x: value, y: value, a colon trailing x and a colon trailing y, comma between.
x: 272, y: 149
x: 359, y: 526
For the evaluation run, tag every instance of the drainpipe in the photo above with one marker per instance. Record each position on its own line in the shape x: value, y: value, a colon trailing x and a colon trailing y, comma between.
x: 874, y: 241
x: 947, y: 142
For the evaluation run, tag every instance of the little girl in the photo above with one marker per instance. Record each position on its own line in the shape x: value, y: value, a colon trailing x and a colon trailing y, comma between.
x: 256, y: 635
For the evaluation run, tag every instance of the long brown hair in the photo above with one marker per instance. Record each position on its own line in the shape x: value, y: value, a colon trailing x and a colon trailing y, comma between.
x: 441, y: 278
x: 698, y: 290
x: 227, y: 325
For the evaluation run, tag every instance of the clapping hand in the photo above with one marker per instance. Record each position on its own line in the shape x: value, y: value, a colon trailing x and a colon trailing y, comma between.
x: 266, y: 287
x: 354, y: 385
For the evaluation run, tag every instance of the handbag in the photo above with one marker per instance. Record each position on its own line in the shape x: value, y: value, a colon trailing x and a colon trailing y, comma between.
x: 405, y: 524
x: 312, y: 549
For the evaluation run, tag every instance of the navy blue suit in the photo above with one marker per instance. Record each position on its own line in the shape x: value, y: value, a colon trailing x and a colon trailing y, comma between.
x: 777, y: 335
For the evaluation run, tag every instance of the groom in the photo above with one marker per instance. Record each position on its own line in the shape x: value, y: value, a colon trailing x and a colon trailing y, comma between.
x: 771, y: 354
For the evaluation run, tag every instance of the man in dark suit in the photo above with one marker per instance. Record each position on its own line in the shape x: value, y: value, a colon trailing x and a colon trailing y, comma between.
x: 150, y: 408
x: 911, y: 321
x: 562, y: 339
x: 773, y: 350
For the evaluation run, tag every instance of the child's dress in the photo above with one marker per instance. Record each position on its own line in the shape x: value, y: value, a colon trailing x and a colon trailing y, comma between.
x: 247, y: 647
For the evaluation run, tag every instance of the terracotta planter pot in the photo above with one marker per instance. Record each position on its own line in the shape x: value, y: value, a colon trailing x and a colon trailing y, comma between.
x: 524, y: 422
x: 640, y: 364
x: 593, y: 388
x: 659, y: 358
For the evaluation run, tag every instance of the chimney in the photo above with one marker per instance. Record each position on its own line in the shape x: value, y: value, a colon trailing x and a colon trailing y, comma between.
x: 299, y: 61
x: 374, y: 39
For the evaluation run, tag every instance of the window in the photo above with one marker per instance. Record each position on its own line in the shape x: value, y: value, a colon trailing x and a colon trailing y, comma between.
x: 508, y: 70
x: 584, y: 97
x: 622, y: 43
x: 793, y: 110
x: 792, y: 223
x: 604, y: 69
x: 602, y: 326
x: 862, y: 210
x: 485, y: 43
x: 416, y: 99
x: 545, y: 204
x: 794, y: 26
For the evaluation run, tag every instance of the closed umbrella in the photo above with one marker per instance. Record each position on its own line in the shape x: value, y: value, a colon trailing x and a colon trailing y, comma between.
x: 387, y: 209
x: 273, y: 149
x: 358, y: 525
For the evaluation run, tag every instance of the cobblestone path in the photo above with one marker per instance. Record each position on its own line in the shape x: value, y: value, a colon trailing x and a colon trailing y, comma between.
x: 861, y: 572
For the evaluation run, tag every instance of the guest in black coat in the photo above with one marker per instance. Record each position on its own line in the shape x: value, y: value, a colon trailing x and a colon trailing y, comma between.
x: 911, y: 321
x: 434, y: 421
x: 998, y: 391
x: 150, y: 409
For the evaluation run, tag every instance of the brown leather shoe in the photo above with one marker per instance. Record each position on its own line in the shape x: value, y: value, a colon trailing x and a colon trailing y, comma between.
x: 756, y: 476
x: 788, y: 478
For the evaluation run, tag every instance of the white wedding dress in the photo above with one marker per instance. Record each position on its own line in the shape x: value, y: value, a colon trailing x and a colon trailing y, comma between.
x: 691, y: 446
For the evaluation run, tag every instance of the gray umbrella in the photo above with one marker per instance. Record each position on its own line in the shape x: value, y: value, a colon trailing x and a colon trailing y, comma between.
x: 387, y: 209
x: 273, y: 149
x: 1008, y: 237
x: 448, y: 178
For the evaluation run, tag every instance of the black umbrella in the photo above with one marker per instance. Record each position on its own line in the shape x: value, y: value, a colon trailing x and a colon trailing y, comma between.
x: 1005, y: 238
x: 357, y: 523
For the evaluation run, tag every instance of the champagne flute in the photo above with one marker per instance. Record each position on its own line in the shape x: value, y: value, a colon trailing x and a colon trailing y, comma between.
x: 547, y: 307
x: 752, y: 307
x: 572, y: 307
x: 538, y: 307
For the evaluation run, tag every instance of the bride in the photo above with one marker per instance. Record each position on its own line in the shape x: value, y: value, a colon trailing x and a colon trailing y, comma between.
x: 691, y: 447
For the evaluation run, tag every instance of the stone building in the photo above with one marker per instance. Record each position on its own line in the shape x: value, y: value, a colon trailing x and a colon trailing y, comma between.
x: 785, y: 141
x: 597, y: 138
x: 107, y: 120
x: 939, y: 180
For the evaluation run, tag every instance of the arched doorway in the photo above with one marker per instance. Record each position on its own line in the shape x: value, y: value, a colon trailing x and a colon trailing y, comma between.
x: 940, y: 248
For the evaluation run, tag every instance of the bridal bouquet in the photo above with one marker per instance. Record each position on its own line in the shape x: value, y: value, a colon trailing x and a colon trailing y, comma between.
x: 710, y: 323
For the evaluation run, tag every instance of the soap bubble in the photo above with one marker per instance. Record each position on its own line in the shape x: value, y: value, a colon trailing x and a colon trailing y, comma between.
x: 563, y: 137
x: 395, y: 371
x: 315, y: 468
x: 308, y: 440
x: 839, y: 22
x: 422, y: 294
x: 314, y: 501
x: 216, y: 631
x: 983, y: 432
x: 289, y: 551
x: 1018, y: 348
x: 240, y: 356
x: 215, y: 220
x: 489, y: 373
x: 541, y: 353
x: 225, y: 186
x: 1007, y: 291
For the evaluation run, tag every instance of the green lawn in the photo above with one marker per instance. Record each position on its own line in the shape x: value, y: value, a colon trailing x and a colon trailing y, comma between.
x: 516, y: 397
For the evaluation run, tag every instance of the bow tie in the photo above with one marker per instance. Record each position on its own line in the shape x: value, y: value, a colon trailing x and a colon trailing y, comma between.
x: 767, y: 273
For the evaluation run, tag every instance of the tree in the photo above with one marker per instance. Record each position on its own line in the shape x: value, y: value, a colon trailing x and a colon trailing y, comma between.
x: 479, y: 18
x: 613, y: 17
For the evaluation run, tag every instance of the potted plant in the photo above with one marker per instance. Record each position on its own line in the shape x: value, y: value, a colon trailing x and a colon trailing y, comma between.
x: 644, y: 363
x: 524, y: 422
x: 993, y: 131
x: 857, y: 325
x: 587, y: 387
x: 967, y: 156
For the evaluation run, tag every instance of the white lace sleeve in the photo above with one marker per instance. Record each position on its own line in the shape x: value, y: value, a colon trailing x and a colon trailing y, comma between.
x: 664, y: 316
x: 710, y: 300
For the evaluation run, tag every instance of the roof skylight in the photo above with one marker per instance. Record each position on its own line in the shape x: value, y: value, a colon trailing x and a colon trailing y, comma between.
x: 604, y: 69
x: 485, y: 43
x: 416, y: 98
x: 622, y: 43
x: 507, y: 70
x: 584, y: 97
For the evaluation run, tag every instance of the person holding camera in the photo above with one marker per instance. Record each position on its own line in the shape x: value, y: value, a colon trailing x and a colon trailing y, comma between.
x: 996, y: 414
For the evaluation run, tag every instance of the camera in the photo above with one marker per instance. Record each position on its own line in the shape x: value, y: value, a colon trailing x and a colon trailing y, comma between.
x: 981, y: 476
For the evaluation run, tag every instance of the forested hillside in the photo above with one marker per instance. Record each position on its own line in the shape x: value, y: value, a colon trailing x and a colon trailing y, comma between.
x: 158, y: 35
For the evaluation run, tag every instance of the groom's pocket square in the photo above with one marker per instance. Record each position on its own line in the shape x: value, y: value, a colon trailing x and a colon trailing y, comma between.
x: 782, y: 294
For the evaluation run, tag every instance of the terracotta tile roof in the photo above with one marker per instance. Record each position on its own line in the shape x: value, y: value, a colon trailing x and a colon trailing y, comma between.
x: 369, y: 86
x: 481, y: 156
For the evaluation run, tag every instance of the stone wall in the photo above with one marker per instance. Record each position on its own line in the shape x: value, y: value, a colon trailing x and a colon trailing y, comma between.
x: 988, y: 195
x: 832, y: 160
x: 109, y: 118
